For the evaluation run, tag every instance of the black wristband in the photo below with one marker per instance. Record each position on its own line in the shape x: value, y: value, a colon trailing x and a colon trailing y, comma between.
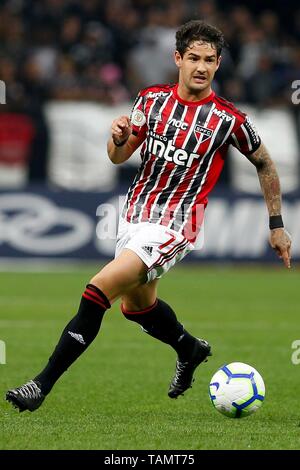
x: 120, y: 144
x: 275, y: 221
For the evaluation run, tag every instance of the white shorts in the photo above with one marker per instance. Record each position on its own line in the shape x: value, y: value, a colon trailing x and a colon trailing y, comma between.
x: 157, y: 246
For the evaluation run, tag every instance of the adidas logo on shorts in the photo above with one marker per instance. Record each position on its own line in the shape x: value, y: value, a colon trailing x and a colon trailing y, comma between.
x: 148, y: 249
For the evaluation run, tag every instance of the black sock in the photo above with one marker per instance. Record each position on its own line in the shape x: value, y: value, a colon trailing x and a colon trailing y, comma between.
x: 160, y: 321
x: 76, y: 337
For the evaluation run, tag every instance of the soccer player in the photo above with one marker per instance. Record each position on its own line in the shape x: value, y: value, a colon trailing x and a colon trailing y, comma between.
x: 185, y: 130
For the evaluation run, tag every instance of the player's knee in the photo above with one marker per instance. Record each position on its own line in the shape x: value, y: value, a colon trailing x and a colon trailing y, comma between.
x: 130, y: 305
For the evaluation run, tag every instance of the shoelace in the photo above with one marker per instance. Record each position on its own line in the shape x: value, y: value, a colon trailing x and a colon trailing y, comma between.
x: 29, y: 390
x: 180, y: 368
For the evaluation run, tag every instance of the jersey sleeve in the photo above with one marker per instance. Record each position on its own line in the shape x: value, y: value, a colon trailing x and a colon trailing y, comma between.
x: 245, y: 137
x: 138, y: 117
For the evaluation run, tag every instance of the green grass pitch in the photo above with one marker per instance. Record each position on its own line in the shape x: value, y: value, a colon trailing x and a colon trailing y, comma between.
x: 115, y: 395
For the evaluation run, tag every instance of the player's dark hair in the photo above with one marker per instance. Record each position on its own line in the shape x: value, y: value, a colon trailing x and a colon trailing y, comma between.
x: 198, y: 30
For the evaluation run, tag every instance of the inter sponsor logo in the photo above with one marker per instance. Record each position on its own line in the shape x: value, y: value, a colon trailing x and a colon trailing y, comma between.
x: 163, y: 148
x: 202, y: 132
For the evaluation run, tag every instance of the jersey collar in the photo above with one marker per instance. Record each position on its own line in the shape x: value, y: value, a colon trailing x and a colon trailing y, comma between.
x: 192, y: 103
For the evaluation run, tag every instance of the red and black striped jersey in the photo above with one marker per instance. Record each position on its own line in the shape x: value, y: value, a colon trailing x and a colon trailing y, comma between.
x: 183, y: 153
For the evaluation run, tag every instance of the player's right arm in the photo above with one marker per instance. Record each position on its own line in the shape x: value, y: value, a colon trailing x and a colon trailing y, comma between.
x: 122, y: 143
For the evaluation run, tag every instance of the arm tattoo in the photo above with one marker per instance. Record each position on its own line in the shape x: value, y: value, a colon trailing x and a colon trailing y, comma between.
x: 268, y: 178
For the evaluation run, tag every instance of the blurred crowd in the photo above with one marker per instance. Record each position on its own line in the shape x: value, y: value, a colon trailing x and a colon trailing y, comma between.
x: 104, y: 51
x: 99, y: 51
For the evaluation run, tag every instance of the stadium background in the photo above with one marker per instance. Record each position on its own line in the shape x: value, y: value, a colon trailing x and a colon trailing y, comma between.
x: 68, y: 68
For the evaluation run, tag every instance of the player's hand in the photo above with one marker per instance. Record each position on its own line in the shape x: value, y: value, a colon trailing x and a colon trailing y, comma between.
x: 121, y: 129
x: 281, y: 242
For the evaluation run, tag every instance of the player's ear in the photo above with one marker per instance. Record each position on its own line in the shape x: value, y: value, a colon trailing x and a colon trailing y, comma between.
x: 177, y: 58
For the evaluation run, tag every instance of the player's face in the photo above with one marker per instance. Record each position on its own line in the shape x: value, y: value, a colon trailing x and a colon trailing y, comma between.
x: 197, y: 67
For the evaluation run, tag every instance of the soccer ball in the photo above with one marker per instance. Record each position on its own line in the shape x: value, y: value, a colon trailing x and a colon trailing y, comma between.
x: 237, y: 390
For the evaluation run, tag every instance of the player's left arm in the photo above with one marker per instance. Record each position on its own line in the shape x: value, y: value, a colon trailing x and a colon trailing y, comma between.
x: 280, y: 240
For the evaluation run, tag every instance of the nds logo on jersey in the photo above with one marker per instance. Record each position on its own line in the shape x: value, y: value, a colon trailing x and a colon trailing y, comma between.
x: 202, y: 133
x: 223, y: 115
x: 178, y: 124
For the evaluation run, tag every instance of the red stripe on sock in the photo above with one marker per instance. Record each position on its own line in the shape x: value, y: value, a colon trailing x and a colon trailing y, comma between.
x: 87, y: 296
x: 98, y: 294
x: 145, y: 310
x: 95, y: 295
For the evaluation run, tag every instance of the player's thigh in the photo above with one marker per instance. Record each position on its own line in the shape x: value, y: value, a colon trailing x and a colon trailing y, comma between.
x: 121, y: 275
x: 140, y: 297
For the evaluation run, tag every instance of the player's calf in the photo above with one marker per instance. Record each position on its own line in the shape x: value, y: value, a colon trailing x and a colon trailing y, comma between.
x: 75, y: 339
x: 160, y: 321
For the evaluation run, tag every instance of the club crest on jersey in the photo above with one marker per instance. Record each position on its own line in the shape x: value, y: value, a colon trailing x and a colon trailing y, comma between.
x: 138, y: 118
x: 202, y: 133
